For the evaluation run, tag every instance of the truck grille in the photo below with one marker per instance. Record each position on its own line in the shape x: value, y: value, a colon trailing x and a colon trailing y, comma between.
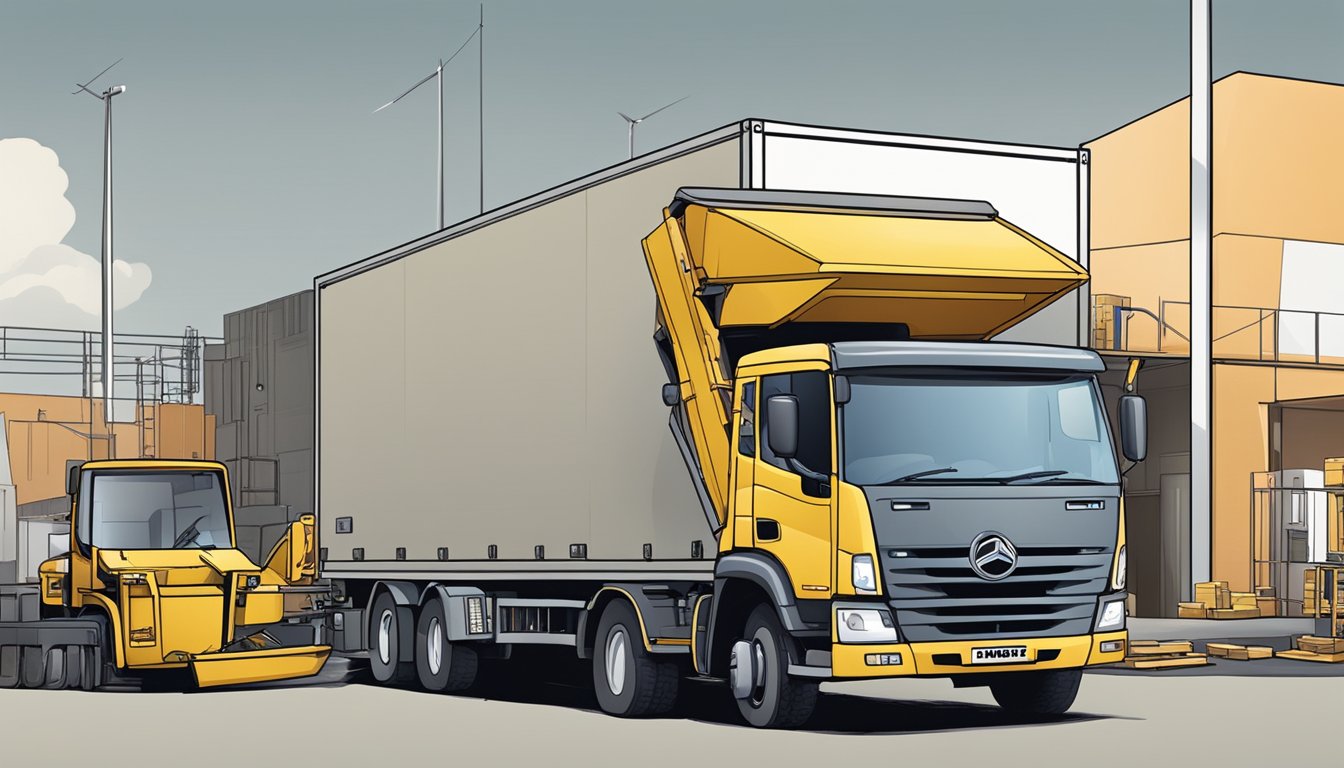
x: 1053, y: 592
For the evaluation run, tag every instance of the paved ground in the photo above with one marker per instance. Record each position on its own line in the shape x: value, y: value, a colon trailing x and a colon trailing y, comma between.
x: 340, y: 720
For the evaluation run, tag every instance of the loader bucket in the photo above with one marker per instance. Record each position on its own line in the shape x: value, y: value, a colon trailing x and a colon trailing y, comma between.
x: 241, y: 667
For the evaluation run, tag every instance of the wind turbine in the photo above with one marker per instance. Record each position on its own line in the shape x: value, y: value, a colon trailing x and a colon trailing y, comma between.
x: 437, y: 74
x: 633, y: 121
x: 108, y: 372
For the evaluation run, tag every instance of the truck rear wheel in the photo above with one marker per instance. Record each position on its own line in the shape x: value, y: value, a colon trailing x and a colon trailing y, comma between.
x: 628, y: 680
x: 1047, y: 692
x: 772, y: 699
x: 387, y: 623
x: 441, y: 665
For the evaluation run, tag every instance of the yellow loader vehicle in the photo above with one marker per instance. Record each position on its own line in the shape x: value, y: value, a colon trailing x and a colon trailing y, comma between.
x: 153, y: 587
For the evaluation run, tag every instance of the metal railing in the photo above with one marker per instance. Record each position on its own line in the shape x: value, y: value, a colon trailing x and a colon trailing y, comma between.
x: 1264, y: 334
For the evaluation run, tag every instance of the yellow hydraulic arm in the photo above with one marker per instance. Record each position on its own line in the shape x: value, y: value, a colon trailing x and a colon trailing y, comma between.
x: 705, y: 390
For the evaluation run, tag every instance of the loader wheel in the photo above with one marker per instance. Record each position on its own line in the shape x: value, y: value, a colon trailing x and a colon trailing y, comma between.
x: 773, y: 699
x: 628, y: 680
x: 1047, y: 692
x: 441, y: 665
x: 387, y: 623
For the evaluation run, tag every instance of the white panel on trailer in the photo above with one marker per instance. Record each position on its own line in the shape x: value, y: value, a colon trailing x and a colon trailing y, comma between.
x: 1035, y: 188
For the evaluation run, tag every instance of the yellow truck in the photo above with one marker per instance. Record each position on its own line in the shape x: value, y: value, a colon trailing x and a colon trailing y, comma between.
x: 817, y: 468
x: 153, y: 588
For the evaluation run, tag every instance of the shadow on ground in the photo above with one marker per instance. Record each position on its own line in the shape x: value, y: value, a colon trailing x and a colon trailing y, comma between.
x: 566, y: 682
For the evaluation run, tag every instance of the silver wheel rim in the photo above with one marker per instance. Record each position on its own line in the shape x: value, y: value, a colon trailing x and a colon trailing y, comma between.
x: 615, y: 660
x: 758, y: 685
x: 434, y: 653
x: 385, y: 637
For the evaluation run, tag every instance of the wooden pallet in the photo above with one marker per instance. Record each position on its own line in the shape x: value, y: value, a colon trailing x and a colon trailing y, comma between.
x: 1328, y: 658
x: 1160, y: 648
x: 1168, y: 661
x: 1240, y: 652
x: 1321, y: 645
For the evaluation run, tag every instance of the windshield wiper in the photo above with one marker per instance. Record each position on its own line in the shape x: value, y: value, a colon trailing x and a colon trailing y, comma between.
x: 917, y: 475
x: 1031, y: 475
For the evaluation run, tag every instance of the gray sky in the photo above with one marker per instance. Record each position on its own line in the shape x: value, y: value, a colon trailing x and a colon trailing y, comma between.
x: 248, y: 160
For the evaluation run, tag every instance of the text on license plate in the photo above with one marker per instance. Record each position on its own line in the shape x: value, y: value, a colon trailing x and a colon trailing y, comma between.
x: 1006, y: 654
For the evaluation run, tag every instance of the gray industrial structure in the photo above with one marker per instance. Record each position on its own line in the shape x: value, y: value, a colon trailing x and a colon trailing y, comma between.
x: 259, y: 387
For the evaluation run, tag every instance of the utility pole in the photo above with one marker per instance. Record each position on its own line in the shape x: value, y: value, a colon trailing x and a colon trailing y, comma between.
x: 1201, y: 298
x: 108, y: 365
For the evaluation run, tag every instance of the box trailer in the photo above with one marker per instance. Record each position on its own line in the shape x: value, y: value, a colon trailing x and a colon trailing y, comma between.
x: 528, y: 432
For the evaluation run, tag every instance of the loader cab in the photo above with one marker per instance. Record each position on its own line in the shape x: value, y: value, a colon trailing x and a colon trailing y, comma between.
x: 150, y: 513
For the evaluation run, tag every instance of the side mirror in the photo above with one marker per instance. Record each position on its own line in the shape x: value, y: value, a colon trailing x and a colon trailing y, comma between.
x: 72, y: 479
x: 1133, y: 427
x: 781, y: 424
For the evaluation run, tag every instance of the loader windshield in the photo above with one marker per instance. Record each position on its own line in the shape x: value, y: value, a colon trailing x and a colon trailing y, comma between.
x: 945, y: 429
x: 154, y: 510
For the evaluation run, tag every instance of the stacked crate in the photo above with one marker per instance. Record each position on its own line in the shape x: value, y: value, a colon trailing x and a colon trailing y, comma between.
x: 1104, y: 330
x: 1152, y: 654
x: 1214, y: 600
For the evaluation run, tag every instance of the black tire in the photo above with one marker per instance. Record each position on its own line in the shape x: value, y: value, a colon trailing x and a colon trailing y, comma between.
x: 442, y: 666
x: 105, y: 674
x: 1047, y: 692
x: 779, y: 701
x: 387, y: 622
x: 628, y: 680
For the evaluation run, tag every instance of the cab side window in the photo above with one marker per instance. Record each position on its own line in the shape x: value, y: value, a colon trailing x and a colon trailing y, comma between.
x: 813, y: 390
x: 746, y: 435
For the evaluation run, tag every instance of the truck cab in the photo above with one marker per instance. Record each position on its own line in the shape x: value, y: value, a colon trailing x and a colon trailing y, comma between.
x: 940, y: 509
x: 154, y: 581
x: 897, y: 495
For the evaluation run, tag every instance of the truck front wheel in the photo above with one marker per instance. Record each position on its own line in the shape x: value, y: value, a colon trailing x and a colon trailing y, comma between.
x: 628, y: 681
x: 766, y: 696
x: 1047, y: 692
x: 387, y: 622
x: 441, y: 665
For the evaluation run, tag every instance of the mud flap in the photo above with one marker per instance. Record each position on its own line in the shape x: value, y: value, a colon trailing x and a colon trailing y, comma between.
x: 242, y: 667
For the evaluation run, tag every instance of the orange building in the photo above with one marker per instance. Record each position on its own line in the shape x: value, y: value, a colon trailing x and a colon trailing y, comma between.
x: 45, y: 431
x: 1277, y: 315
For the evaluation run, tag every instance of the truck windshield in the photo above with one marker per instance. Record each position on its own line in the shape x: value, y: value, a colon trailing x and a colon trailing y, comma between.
x: 917, y: 429
x: 154, y: 510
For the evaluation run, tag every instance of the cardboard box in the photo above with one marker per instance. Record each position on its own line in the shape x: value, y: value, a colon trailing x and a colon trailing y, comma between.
x: 1268, y: 606
x: 1191, y: 611
x: 1213, y: 594
x: 1243, y: 600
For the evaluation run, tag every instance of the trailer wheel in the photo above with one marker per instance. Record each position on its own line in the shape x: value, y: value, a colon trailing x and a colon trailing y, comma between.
x: 387, y: 622
x: 1046, y: 692
x: 772, y: 699
x: 628, y: 681
x: 441, y: 665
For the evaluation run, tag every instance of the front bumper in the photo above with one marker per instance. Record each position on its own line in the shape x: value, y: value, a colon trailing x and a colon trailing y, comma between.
x: 954, y: 658
x: 242, y: 667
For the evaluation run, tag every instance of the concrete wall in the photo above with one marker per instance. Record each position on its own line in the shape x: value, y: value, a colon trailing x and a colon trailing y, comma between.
x: 259, y: 389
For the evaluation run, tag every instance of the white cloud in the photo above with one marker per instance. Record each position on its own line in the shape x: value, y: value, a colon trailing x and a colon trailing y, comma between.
x: 44, y: 282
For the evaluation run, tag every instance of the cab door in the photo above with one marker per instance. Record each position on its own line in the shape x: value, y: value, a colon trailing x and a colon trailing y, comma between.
x: 792, y: 499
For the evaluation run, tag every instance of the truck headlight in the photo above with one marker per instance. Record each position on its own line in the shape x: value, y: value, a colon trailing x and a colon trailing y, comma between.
x: 1111, y: 616
x: 1121, y: 566
x: 865, y: 625
x: 863, y: 576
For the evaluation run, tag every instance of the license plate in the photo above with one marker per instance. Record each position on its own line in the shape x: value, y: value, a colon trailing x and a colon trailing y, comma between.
x: 1005, y: 654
